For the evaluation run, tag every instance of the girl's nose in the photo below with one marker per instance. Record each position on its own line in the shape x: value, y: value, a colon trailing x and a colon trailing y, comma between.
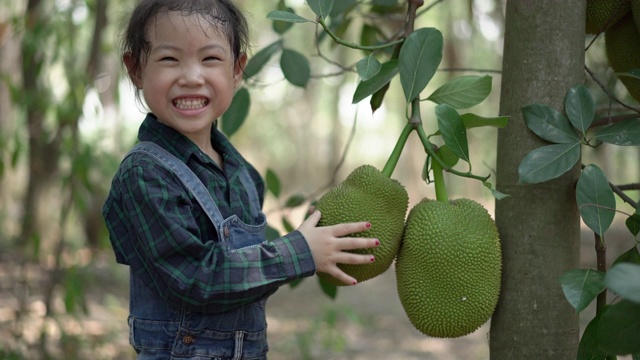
x: 191, y: 76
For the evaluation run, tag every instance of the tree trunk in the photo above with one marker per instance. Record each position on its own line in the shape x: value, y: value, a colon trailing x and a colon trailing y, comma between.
x: 539, y: 224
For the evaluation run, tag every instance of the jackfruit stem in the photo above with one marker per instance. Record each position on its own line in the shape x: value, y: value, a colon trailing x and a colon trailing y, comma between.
x: 438, y: 181
x: 397, y: 151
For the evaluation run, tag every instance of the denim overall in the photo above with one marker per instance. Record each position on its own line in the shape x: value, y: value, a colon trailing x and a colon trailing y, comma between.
x: 159, y: 330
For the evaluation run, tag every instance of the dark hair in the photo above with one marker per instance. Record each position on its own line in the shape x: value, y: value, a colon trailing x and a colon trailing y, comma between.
x: 222, y: 13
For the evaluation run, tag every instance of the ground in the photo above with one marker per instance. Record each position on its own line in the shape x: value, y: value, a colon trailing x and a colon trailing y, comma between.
x: 364, y: 321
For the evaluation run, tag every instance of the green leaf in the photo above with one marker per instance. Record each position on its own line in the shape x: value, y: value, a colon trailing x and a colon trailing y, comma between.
x: 619, y: 328
x: 368, y: 67
x: 294, y: 284
x: 596, y: 201
x: 295, y: 200
x: 273, y: 182
x: 237, y: 113
x: 322, y: 8
x: 633, y: 224
x: 581, y: 286
x: 580, y: 108
x: 281, y: 27
x: 418, y: 60
x: 548, y: 162
x: 496, y: 194
x: 630, y: 256
x: 624, y: 280
x: 589, y: 348
x: 549, y: 124
x: 295, y: 67
x: 260, y: 59
x: 328, y: 289
x: 286, y: 225
x: 366, y: 88
x: 624, y: 133
x: 271, y: 233
x: 453, y: 131
x: 473, y: 121
x: 278, y: 15
x: 463, y: 92
x: 447, y: 156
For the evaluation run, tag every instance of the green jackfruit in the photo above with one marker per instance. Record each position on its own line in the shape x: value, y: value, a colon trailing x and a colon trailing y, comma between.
x: 367, y: 195
x: 622, y: 44
x: 448, y: 269
x: 602, y: 14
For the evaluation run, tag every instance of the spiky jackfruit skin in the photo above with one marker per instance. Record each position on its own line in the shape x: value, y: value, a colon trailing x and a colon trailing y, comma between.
x: 605, y: 13
x: 448, y: 269
x: 622, y: 44
x: 367, y: 195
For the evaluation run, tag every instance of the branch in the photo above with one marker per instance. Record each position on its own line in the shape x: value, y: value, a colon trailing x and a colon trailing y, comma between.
x: 609, y: 94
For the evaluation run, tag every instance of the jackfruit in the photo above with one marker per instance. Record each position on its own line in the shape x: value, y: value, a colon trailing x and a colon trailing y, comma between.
x: 602, y: 14
x: 367, y: 195
x: 448, y: 269
x: 622, y: 44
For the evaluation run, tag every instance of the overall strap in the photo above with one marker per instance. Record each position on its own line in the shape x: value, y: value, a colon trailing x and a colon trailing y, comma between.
x: 186, y: 176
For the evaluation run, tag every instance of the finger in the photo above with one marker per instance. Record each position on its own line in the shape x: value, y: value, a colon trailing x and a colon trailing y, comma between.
x: 350, y: 228
x: 355, y: 259
x: 312, y: 220
x: 351, y: 243
x: 342, y: 276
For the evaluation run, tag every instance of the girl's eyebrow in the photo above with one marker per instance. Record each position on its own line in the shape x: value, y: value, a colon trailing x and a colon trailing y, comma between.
x: 160, y: 47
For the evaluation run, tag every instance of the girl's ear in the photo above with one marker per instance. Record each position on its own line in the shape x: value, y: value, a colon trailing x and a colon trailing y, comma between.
x: 134, y: 75
x: 238, y: 71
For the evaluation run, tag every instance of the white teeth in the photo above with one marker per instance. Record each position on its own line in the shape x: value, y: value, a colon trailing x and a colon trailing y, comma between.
x: 184, y: 104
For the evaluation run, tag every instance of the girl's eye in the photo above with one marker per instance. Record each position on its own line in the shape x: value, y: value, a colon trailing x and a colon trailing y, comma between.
x: 168, y: 58
x: 211, y: 58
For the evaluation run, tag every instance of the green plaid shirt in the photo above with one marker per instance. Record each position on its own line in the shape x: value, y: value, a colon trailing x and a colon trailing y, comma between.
x: 157, y: 227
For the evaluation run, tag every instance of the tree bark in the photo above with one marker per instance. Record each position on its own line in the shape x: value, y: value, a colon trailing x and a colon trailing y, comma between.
x: 539, y: 224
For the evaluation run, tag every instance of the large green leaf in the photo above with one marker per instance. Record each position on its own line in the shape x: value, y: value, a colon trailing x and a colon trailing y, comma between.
x: 624, y: 133
x: 295, y: 67
x: 368, y: 67
x: 631, y: 256
x: 581, y: 286
x: 590, y: 348
x: 418, y: 61
x: 281, y: 27
x: 237, y: 113
x: 463, y: 92
x: 271, y: 233
x: 322, y: 8
x: 596, y: 201
x: 366, y: 88
x: 580, y: 108
x: 619, y: 328
x: 453, y: 131
x: 273, y: 182
x: 548, y: 162
x: 633, y: 224
x: 279, y: 15
x: 624, y: 280
x: 262, y: 57
x: 549, y: 124
x: 328, y: 289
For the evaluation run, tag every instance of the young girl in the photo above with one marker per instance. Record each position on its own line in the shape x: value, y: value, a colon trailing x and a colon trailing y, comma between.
x: 184, y: 208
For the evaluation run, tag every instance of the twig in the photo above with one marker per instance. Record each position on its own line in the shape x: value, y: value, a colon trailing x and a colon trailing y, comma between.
x: 609, y: 94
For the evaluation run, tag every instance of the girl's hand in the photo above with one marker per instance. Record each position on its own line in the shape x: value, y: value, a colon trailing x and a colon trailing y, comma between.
x: 327, y: 246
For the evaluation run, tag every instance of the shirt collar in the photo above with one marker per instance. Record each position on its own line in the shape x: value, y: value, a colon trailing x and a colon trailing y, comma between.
x: 178, y: 144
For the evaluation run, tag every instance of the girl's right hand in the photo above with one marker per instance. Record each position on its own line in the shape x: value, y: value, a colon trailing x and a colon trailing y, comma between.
x: 328, y: 246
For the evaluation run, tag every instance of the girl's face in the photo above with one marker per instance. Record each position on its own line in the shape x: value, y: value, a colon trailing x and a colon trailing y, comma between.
x: 190, y: 76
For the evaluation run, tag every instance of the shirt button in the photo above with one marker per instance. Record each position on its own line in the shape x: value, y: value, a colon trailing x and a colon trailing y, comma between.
x: 226, y: 231
x: 188, y: 339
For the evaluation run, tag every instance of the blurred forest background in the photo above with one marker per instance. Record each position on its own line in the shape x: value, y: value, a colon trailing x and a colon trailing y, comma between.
x: 68, y: 115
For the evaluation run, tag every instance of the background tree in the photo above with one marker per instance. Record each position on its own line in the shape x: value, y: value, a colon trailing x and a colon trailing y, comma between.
x: 539, y: 224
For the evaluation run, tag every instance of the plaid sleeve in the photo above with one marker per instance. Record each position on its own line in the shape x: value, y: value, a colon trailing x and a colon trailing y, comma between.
x: 187, y: 271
